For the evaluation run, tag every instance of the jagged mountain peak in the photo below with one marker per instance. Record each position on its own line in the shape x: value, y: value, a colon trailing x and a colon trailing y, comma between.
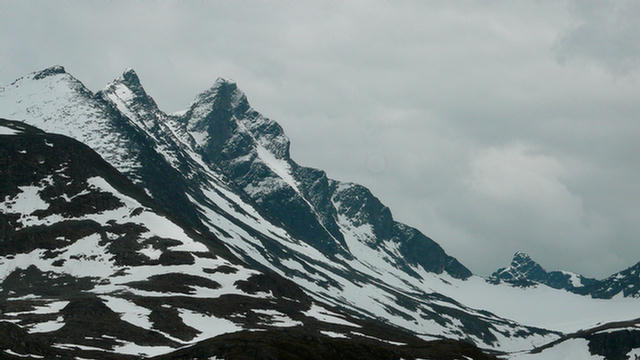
x: 129, y: 88
x: 522, y: 271
x: 52, y: 70
x: 130, y: 77
x: 221, y: 117
x: 52, y: 78
x: 520, y: 257
x: 223, y: 93
x: 221, y: 81
x: 525, y: 264
x: 128, y: 95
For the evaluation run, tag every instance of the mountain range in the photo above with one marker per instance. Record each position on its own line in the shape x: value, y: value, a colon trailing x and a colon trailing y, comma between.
x: 197, y: 231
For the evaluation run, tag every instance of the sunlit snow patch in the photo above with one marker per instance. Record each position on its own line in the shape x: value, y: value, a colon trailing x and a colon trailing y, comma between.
x: 208, y: 326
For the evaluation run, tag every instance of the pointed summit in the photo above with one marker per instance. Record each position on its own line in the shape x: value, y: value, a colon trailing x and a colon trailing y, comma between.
x: 223, y: 93
x: 130, y: 78
x: 52, y: 70
x: 220, y: 81
x: 222, y: 115
x: 521, y: 258
x: 220, y: 85
x: 128, y: 94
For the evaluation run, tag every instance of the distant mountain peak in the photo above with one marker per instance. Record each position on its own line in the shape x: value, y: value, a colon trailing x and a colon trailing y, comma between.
x: 223, y: 93
x: 127, y: 91
x: 520, y: 257
x: 129, y: 79
x: 52, y: 70
x: 522, y: 271
x: 220, y: 81
x: 524, y: 263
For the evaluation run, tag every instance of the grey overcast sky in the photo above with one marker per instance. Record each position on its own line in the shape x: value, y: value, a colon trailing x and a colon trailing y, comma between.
x: 491, y: 126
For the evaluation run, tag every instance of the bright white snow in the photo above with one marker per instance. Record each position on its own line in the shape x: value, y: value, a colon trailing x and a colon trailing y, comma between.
x: 7, y: 131
x: 130, y: 312
x: 209, y: 326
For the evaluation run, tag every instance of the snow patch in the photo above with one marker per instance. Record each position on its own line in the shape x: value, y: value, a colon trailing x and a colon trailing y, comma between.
x: 277, y: 318
x: 278, y: 166
x: 48, y: 326
x: 208, y: 326
x: 324, y: 315
x: 135, y: 349
x: 130, y: 312
x: 25, y: 202
x: 333, y: 334
x: 7, y: 131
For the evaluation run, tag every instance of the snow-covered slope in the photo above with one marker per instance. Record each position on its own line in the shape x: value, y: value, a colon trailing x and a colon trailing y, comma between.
x: 225, y: 169
x: 56, y: 101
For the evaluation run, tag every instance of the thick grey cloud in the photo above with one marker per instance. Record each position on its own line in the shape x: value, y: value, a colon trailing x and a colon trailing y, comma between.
x: 493, y: 127
x: 605, y: 32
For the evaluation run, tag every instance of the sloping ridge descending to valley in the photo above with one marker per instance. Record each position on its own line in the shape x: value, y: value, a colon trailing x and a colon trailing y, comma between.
x: 223, y: 169
x: 91, y: 267
x: 618, y: 340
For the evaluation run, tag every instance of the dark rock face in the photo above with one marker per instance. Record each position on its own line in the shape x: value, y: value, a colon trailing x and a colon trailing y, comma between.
x: 239, y: 143
x: 614, y: 345
x: 231, y: 147
x: 14, y: 337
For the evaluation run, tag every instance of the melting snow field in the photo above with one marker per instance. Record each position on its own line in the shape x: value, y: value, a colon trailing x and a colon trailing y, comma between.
x: 540, y: 306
